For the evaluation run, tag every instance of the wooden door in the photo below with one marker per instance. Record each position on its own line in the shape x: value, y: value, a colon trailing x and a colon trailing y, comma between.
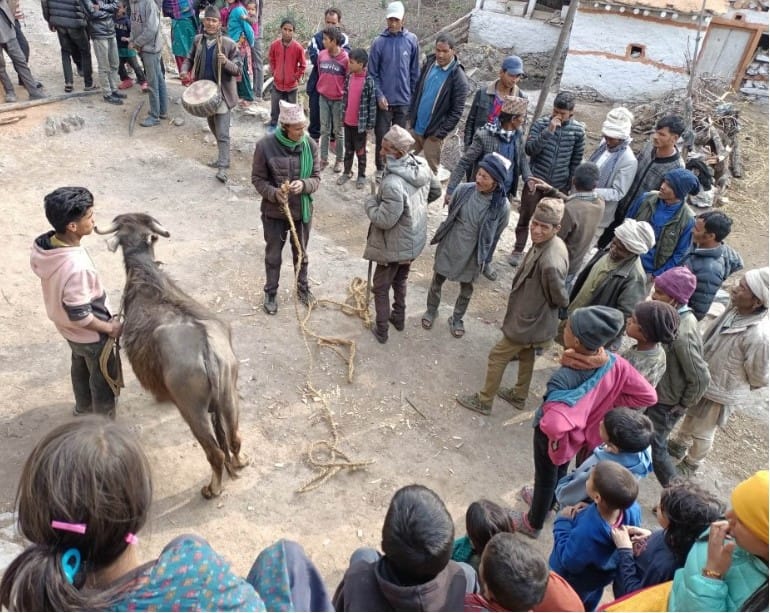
x: 723, y: 51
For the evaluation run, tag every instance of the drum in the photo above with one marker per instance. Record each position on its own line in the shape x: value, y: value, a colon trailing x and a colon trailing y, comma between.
x: 202, y: 98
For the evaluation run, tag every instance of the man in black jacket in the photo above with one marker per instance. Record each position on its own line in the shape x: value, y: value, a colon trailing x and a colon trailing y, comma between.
x: 438, y: 101
x: 68, y: 18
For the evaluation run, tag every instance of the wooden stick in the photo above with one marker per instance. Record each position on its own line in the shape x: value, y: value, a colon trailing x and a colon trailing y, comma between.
x: 17, y: 106
x: 411, y: 404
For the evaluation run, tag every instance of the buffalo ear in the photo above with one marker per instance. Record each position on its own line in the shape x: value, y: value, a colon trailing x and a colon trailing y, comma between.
x: 113, y: 242
x: 152, y: 239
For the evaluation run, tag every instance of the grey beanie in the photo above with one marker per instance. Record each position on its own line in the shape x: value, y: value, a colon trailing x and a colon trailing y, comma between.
x: 595, y: 326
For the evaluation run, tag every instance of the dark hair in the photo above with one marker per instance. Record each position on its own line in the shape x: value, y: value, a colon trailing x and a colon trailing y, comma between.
x: 288, y: 20
x: 333, y: 10
x: 564, y: 100
x: 417, y: 534
x: 91, y: 471
x: 690, y: 510
x: 483, y: 520
x: 359, y: 55
x: 629, y: 430
x: 674, y: 123
x: 445, y: 37
x: 703, y: 171
x: 504, y: 118
x: 586, y: 177
x: 514, y: 572
x: 717, y: 223
x: 615, y: 484
x: 67, y: 204
x: 333, y: 33
x: 758, y: 601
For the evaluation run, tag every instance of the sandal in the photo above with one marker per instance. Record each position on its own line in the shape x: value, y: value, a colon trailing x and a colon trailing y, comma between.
x: 456, y: 327
x: 427, y: 319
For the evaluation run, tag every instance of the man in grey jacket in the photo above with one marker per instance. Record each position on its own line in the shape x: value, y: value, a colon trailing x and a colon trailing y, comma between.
x: 147, y: 39
x: 399, y: 223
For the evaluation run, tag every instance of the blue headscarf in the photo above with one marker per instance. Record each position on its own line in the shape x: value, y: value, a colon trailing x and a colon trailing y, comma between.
x: 683, y: 182
x: 495, y: 165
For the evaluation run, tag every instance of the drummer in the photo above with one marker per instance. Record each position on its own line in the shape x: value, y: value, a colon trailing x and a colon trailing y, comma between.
x: 214, y: 57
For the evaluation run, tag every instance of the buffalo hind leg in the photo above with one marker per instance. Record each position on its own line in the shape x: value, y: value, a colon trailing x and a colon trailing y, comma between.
x: 201, y: 429
x: 229, y: 414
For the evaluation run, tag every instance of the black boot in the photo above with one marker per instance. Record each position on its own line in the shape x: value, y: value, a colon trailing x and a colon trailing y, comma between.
x: 270, y: 305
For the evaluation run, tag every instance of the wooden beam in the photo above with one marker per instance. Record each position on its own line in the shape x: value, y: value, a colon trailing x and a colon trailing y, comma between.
x: 26, y: 104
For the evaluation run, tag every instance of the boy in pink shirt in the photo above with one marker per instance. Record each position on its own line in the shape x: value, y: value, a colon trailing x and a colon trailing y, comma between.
x: 75, y: 300
x: 332, y: 68
x: 360, y: 104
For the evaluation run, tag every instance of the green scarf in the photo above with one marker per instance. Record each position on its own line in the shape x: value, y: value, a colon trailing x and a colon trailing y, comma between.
x: 305, y: 168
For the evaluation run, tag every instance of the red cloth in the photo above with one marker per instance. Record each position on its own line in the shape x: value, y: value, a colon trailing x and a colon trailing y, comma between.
x: 331, y: 74
x: 287, y: 63
x: 355, y: 89
x: 559, y: 596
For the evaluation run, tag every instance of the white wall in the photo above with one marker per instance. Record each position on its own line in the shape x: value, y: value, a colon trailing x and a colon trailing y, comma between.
x: 619, y: 79
x: 748, y: 16
x: 507, y: 32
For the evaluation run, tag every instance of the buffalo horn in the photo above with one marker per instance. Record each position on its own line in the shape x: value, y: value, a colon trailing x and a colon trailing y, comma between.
x: 112, y: 228
x: 158, y: 229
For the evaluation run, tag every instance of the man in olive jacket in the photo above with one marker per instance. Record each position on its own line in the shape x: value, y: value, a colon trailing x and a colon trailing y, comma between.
x: 537, y: 294
x: 398, y: 232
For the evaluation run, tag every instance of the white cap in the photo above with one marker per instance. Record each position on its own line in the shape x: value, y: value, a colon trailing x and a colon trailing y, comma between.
x: 395, y: 11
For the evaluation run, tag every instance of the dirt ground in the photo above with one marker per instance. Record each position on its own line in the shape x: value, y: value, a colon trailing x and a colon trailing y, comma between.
x: 399, y: 412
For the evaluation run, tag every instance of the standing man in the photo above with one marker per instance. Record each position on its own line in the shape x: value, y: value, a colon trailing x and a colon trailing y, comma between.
x: 736, y: 349
x: 68, y: 20
x: 555, y: 148
x: 399, y: 224
x: 285, y: 171
x: 215, y: 57
x: 332, y: 18
x: 74, y: 297
x: 147, y: 39
x: 537, y: 294
x: 488, y: 100
x: 658, y: 156
x: 10, y: 44
x: 438, y: 101
x: 394, y: 65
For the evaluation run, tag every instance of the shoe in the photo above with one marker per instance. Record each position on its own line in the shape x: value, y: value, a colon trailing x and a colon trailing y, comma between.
x: 305, y: 296
x: 685, y: 469
x: 90, y: 88
x: 676, y: 449
x: 506, y: 393
x: 473, y: 402
x: 270, y: 304
x: 222, y: 175
x: 149, y: 122
x: 80, y: 72
x: 215, y: 164
x: 398, y: 324
x: 78, y: 413
x: 163, y: 116
x: 489, y: 272
x: 521, y: 525
x: 337, y: 166
x: 126, y: 84
x: 378, y: 175
x: 112, y: 99
x: 344, y: 178
x: 68, y: 88
x: 324, y: 164
x: 381, y: 338
x: 361, y: 183
x: 117, y: 94
x: 526, y: 493
x: 38, y: 94
x: 145, y: 87
x: 515, y: 258
x: 10, y: 97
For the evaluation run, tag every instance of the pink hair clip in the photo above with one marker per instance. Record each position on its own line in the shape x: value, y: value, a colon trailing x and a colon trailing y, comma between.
x: 68, y: 527
x: 131, y: 538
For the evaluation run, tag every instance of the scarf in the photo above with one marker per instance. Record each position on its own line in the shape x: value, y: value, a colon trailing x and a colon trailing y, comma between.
x: 503, y: 135
x: 580, y: 361
x: 305, y: 167
x: 608, y: 168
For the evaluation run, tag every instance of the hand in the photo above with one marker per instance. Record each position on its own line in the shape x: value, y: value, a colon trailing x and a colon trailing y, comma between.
x: 132, y: 45
x: 555, y: 123
x: 52, y: 29
x: 116, y: 328
x: 183, y: 76
x: 637, y: 533
x: 532, y: 183
x: 719, y: 555
x: 539, y: 184
x: 281, y: 197
x: 296, y: 187
x: 125, y: 39
x: 621, y: 537
x: 573, y: 510
x: 222, y: 58
x: 447, y: 198
x: 383, y: 103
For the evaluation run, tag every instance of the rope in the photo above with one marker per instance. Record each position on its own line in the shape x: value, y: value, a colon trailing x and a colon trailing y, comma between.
x: 112, y: 349
x: 325, y: 455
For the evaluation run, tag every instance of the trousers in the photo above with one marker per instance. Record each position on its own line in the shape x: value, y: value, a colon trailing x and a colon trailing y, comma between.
x: 107, y: 62
x: 697, y: 433
x: 219, y: 125
x: 355, y: 145
x: 156, y: 79
x: 276, y: 231
x: 529, y: 200
x: 136, y: 66
x: 275, y: 97
x: 75, y: 46
x: 384, y: 121
x: 92, y: 392
x: 331, y: 127
x: 386, y: 276
x: 499, y: 358
x: 664, y: 417
x: 547, y: 475
x: 463, y: 298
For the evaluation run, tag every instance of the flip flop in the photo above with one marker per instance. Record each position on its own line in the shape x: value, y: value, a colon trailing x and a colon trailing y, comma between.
x: 456, y: 327
x: 427, y: 319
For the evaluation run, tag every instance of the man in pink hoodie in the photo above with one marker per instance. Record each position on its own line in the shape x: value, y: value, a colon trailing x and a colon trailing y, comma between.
x: 75, y: 300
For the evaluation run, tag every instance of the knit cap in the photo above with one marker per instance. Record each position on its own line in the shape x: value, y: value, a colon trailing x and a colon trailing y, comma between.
x: 659, y: 321
x: 637, y: 236
x: 595, y: 326
x: 399, y: 138
x: 549, y: 210
x: 618, y: 123
x: 750, y: 503
x: 683, y: 182
x: 757, y: 280
x: 497, y: 166
x: 678, y: 282
x: 211, y: 12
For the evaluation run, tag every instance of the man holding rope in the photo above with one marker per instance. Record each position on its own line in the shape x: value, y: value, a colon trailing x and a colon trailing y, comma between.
x: 286, y: 169
x: 74, y: 297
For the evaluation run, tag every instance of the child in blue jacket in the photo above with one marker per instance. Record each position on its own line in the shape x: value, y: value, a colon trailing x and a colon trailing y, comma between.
x: 583, y: 550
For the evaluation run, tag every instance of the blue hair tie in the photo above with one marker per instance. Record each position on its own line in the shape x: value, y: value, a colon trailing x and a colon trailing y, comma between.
x: 70, y: 564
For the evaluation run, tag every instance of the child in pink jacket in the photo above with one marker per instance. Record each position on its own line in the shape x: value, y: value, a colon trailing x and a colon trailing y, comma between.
x: 590, y: 382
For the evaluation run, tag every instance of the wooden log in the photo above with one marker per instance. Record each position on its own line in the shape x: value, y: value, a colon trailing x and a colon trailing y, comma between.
x: 458, y: 29
x: 26, y: 104
x: 736, y: 162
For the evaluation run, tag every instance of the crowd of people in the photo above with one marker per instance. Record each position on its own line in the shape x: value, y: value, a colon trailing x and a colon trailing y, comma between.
x: 615, y: 251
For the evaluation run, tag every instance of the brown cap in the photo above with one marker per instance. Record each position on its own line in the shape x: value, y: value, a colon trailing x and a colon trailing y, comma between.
x: 549, y: 210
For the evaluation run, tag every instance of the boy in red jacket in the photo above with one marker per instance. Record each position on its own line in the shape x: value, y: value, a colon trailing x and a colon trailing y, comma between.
x: 287, y: 65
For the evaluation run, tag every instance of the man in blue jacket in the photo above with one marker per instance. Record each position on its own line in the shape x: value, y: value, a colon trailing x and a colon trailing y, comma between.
x: 394, y: 65
x: 438, y: 101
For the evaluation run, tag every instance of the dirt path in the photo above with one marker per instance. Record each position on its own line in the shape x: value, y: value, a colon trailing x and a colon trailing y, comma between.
x: 215, y: 252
